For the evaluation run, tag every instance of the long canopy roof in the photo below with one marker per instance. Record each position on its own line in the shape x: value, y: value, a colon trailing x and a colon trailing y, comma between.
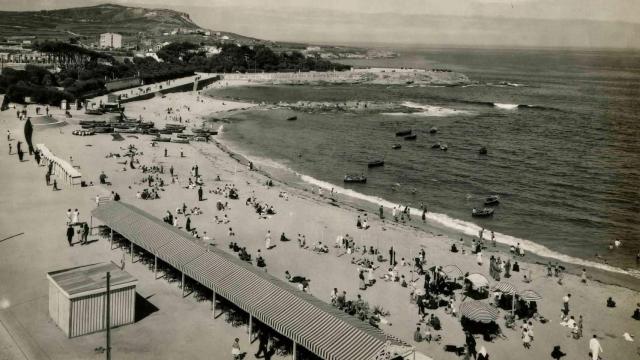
x: 319, y: 327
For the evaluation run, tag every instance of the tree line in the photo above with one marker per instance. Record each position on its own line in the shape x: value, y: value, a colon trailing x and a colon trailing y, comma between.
x: 84, y: 72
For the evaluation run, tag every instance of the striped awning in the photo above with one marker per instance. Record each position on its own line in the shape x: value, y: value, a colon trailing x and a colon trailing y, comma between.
x: 317, y: 326
x: 478, y: 311
x: 529, y: 295
x: 452, y: 271
x: 505, y: 287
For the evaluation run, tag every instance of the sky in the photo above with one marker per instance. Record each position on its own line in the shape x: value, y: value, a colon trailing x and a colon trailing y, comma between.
x: 502, y: 23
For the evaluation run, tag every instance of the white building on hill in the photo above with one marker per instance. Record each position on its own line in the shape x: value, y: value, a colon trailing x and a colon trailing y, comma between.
x: 111, y: 40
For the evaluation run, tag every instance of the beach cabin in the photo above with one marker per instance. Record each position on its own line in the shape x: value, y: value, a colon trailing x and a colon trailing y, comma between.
x: 77, y: 298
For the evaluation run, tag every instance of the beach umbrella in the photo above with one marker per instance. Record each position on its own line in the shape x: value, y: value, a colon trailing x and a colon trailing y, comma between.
x: 529, y: 295
x: 452, y: 271
x: 478, y: 311
x: 477, y: 280
x: 504, y: 287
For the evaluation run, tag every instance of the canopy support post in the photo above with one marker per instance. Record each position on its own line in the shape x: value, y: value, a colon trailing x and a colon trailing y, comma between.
x: 213, y: 304
x: 183, y: 284
x: 111, y: 239
x: 250, y: 326
x: 132, y: 252
x: 294, y: 352
x: 155, y: 267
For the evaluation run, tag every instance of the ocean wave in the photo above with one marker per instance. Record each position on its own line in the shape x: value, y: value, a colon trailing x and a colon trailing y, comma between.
x: 428, y: 110
x: 506, y: 106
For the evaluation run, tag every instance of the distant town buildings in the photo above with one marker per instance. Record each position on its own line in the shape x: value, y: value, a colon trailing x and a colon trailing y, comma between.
x: 111, y: 40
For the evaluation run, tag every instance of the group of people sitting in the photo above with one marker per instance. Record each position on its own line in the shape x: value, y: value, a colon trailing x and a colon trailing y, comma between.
x: 301, y: 281
x: 263, y: 209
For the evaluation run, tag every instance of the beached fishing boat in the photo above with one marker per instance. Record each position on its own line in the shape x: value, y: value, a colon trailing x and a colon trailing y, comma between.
x: 411, y: 137
x: 396, y: 147
x: 375, y: 163
x: 492, y: 200
x: 293, y: 118
x: 103, y: 129
x: 485, y: 212
x: 351, y: 178
x: 93, y: 112
x: 403, y: 132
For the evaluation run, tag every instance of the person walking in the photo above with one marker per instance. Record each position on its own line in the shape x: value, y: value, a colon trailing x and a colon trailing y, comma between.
x: 165, y: 154
x: 596, y: 349
x: 70, y: 235
x: 263, y: 341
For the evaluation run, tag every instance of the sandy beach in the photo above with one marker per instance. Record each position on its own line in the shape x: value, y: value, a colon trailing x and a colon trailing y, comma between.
x: 31, y: 208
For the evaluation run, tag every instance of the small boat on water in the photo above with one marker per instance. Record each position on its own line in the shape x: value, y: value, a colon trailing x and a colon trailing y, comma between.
x: 436, y: 146
x: 375, y: 163
x: 293, y: 118
x: 444, y: 147
x: 483, y: 151
x: 411, y: 137
x: 352, y: 178
x: 396, y: 146
x: 485, y: 212
x: 492, y: 200
x: 433, y: 130
x: 403, y: 132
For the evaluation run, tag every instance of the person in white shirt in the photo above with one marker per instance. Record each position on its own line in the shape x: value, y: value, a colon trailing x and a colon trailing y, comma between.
x: 267, y: 240
x: 75, y: 217
x: 594, y: 346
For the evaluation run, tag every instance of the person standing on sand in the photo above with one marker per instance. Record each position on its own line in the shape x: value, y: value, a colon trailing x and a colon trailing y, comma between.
x: 267, y: 240
x: 565, y: 301
x: 583, y: 276
x: 596, y: 349
x: 70, y: 235
x: 165, y: 152
x: 381, y: 212
x: 471, y: 344
x: 85, y: 234
x: 200, y: 193
x: 10, y: 148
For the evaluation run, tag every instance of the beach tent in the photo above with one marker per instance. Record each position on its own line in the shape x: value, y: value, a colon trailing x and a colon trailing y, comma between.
x: 478, y: 311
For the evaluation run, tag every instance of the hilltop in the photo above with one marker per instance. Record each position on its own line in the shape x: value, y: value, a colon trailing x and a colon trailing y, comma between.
x: 89, y: 22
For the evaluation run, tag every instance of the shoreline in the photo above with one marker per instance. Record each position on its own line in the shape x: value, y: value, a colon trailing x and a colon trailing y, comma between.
x: 356, y: 201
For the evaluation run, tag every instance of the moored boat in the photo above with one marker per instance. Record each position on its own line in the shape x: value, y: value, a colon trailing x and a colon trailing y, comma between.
x: 352, y: 178
x: 483, y: 151
x: 396, y: 146
x: 403, y: 132
x: 375, y: 163
x: 485, y: 212
x: 492, y: 200
x: 433, y: 130
x: 411, y: 137
x: 292, y: 118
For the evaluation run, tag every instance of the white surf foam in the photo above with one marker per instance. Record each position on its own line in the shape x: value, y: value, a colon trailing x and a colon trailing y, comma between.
x: 429, y: 110
x: 506, y: 106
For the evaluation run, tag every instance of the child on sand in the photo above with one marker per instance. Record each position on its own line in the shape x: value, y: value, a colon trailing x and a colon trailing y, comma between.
x: 235, y: 349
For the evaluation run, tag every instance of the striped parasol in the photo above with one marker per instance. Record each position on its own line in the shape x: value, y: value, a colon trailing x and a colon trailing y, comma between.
x: 505, y: 287
x: 453, y: 272
x: 478, y: 311
x: 478, y: 281
x: 529, y: 295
